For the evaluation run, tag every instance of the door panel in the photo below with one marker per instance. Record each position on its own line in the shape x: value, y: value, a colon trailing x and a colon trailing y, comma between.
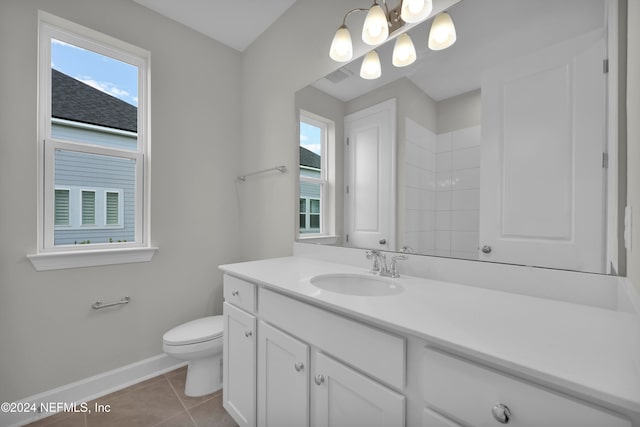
x: 543, y: 135
x: 370, y: 176
x: 283, y: 379
x: 344, y: 398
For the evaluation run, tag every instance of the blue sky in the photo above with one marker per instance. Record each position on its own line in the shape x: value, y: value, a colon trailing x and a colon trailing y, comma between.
x: 109, y: 75
x: 310, y: 137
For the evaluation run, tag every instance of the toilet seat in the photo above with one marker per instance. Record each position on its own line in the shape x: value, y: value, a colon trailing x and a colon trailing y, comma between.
x: 196, y: 331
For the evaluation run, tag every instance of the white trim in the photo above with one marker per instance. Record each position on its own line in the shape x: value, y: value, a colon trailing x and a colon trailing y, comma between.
x: 94, y: 387
x: 92, y: 257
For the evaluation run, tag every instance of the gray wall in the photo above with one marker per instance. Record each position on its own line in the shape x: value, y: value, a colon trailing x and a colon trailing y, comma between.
x: 49, y: 334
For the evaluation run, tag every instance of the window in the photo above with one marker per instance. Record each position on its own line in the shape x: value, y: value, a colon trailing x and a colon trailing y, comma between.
x: 112, y: 208
x: 93, y: 145
x: 88, y: 207
x: 62, y: 207
x: 314, y: 185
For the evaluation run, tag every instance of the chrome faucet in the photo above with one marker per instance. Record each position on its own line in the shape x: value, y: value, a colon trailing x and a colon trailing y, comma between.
x: 379, y: 262
x: 379, y: 266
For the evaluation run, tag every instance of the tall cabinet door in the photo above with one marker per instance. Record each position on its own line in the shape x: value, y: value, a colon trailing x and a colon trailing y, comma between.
x: 239, y: 355
x: 342, y: 397
x: 283, y: 379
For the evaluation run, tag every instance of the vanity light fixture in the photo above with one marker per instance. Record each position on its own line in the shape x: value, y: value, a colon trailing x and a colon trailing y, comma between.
x: 371, y: 68
x: 404, y: 52
x: 380, y: 22
x: 443, y: 32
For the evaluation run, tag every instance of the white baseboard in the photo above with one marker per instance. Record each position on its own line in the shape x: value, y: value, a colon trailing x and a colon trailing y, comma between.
x: 93, y: 387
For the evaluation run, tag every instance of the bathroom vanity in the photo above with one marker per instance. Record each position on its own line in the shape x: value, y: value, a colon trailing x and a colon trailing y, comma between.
x: 414, y: 351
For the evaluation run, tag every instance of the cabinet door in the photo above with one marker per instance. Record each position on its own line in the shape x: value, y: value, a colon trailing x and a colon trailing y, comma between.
x: 342, y: 397
x: 239, y: 361
x: 283, y: 379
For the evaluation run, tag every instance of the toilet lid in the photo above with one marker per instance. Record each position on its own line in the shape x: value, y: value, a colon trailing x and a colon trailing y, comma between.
x: 199, y: 330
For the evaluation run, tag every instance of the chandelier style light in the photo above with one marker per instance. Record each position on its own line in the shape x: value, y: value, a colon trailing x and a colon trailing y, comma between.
x: 380, y: 22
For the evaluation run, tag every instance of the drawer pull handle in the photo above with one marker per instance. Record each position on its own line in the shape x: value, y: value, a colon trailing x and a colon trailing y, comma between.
x: 319, y: 379
x: 248, y: 334
x: 501, y: 413
x: 235, y: 293
x: 299, y: 366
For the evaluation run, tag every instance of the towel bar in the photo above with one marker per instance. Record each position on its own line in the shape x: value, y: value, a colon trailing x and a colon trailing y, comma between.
x: 99, y: 304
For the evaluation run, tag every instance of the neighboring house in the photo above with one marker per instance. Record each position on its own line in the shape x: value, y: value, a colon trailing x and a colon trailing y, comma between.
x: 94, y: 194
x: 309, y: 192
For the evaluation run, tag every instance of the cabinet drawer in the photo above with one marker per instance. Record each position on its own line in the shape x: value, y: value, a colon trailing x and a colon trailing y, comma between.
x: 378, y: 353
x: 240, y: 293
x: 468, y: 392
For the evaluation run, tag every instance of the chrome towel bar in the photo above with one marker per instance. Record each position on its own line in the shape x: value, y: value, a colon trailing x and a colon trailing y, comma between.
x: 282, y: 169
x: 99, y: 304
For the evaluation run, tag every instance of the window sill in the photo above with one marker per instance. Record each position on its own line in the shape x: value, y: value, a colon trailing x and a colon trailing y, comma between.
x: 90, y: 258
x: 324, y: 239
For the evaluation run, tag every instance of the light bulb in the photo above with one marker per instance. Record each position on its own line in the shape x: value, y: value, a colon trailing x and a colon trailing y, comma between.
x: 376, y: 27
x: 404, y: 52
x: 341, y: 46
x: 442, y: 33
x: 415, y: 10
x: 370, y: 68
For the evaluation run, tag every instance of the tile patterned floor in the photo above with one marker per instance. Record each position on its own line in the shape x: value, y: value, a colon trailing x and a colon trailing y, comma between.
x: 159, y: 401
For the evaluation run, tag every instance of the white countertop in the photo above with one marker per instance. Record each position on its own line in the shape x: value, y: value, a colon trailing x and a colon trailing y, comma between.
x: 585, y: 350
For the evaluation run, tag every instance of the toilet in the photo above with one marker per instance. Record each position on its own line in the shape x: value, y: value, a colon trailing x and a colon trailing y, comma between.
x: 200, y: 343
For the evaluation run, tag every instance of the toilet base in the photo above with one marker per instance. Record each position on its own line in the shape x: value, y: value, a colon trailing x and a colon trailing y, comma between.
x: 204, y: 376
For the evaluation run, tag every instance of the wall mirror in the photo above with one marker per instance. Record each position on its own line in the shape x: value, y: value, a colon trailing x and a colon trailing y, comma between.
x: 502, y: 148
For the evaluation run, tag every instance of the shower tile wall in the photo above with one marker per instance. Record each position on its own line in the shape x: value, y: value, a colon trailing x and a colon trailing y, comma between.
x: 457, y: 195
x: 420, y: 166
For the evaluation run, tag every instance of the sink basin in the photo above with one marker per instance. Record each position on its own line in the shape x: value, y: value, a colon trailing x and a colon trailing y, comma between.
x: 356, y: 284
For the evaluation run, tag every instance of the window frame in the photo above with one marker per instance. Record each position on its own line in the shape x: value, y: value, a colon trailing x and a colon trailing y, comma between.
x: 48, y: 255
x: 329, y: 198
x: 325, y: 125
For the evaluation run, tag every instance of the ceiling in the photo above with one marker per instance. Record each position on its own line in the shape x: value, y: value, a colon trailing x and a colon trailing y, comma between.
x: 235, y: 23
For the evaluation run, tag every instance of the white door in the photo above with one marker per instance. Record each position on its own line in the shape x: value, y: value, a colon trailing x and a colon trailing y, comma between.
x: 370, y: 177
x: 283, y: 379
x: 543, y: 137
x: 239, y: 362
x: 341, y: 397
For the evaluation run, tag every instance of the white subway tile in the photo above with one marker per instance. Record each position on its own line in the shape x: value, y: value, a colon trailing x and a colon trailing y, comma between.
x: 464, y: 241
x: 465, y: 200
x: 464, y: 138
x: 443, y: 201
x: 443, y: 220
x: 465, y: 220
x: 466, y: 158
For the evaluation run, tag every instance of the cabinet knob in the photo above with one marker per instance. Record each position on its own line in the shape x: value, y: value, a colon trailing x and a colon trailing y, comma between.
x: 501, y: 413
x: 319, y: 379
x: 235, y: 293
x: 486, y: 249
x: 248, y: 334
x: 383, y: 241
x: 299, y: 366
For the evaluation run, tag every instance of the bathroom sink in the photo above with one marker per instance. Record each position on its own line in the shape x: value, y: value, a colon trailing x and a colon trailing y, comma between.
x: 356, y: 284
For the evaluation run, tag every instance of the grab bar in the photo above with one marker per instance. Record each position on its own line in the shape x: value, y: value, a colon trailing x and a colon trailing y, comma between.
x: 99, y: 304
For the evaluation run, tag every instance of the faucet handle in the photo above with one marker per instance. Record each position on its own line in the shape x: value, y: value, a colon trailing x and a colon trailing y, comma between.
x: 371, y: 253
x: 393, y: 268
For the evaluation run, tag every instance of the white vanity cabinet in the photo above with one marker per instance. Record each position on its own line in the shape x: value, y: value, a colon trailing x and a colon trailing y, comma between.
x: 311, y: 368
x: 239, y: 351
